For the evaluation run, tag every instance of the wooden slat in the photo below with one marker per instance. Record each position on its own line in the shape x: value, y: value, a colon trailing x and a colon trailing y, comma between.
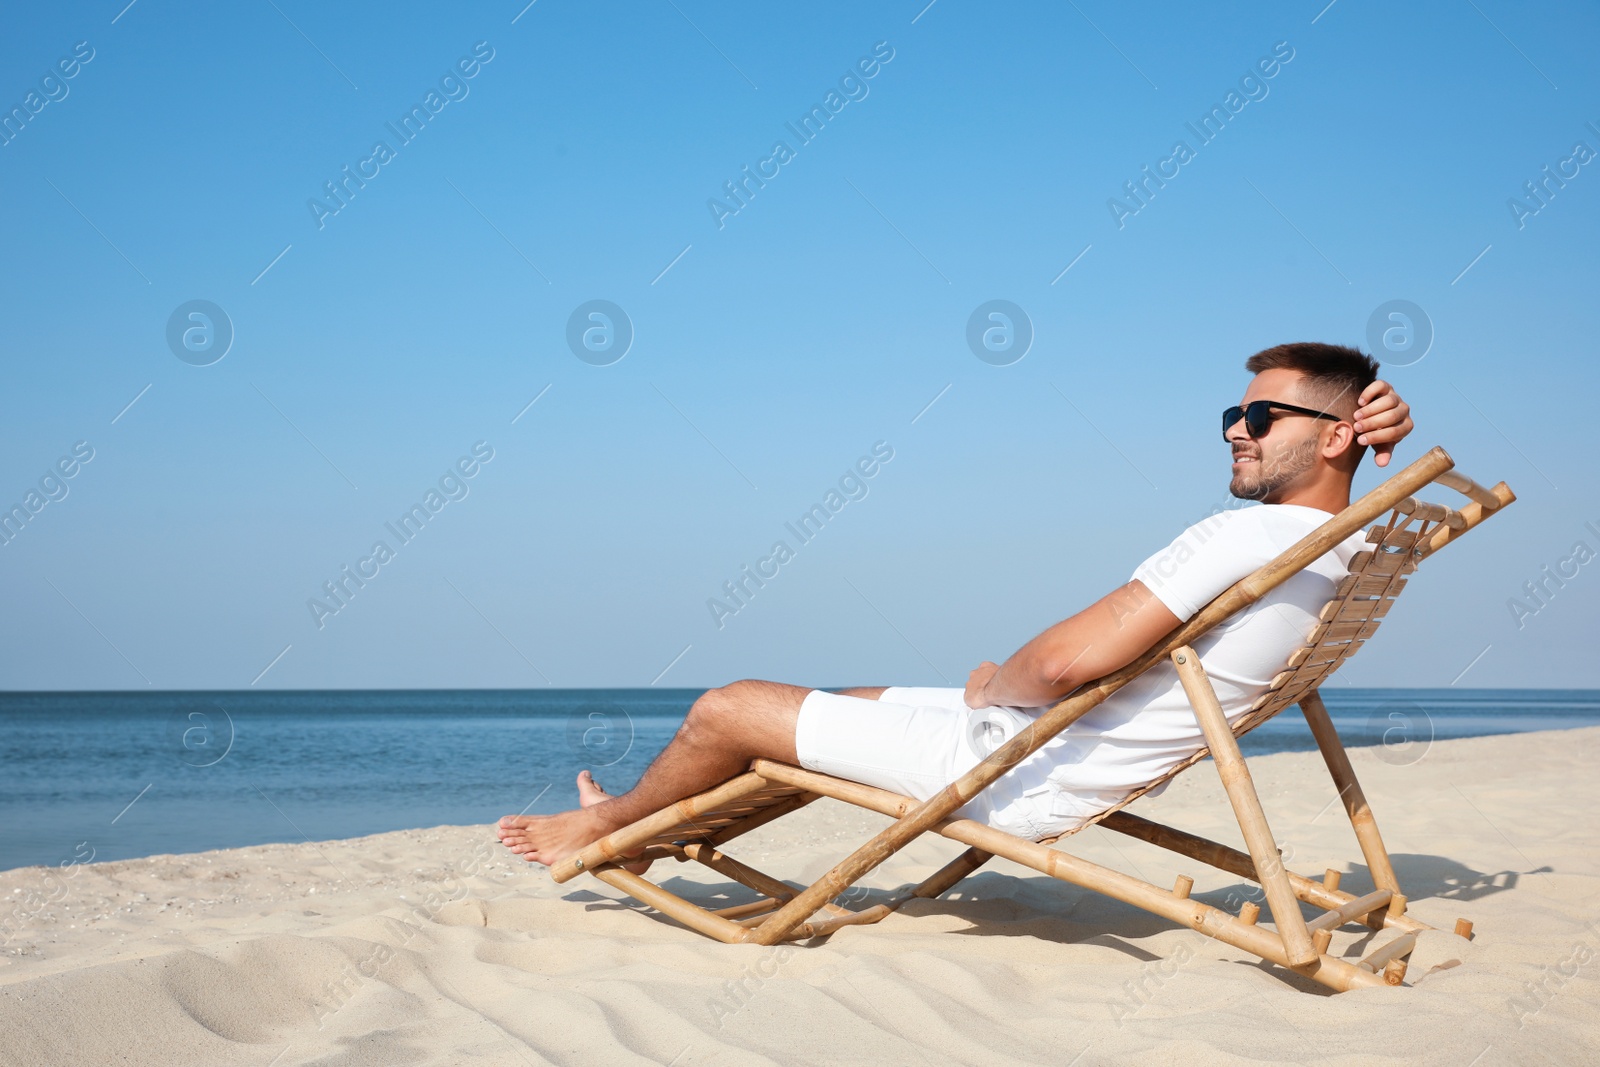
x: 1380, y: 584
x: 795, y: 800
x: 1487, y: 499
x: 1380, y: 562
x: 1342, y: 631
x: 1420, y: 509
x: 766, y: 797
x: 1356, y: 909
x: 1359, y: 610
x: 1401, y: 538
x: 1307, y: 654
x: 1330, y: 610
x: 1423, y: 511
x: 1314, y: 654
x: 1309, y: 676
x: 1368, y: 585
x: 681, y: 835
x: 732, y: 812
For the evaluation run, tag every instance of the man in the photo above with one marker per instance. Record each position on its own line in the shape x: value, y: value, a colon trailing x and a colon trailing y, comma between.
x: 1297, y: 438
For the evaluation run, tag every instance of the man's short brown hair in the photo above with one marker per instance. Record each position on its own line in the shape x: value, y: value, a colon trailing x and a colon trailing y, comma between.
x: 1335, y: 375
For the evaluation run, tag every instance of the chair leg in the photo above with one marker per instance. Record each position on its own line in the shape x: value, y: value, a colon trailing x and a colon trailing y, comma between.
x: 1286, y: 914
x: 1355, y: 801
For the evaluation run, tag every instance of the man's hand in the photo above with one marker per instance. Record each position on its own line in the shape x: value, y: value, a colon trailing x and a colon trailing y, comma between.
x: 1381, y: 420
x: 977, y: 681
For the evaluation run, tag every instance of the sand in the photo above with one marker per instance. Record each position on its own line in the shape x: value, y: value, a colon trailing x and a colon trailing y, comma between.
x: 437, y: 947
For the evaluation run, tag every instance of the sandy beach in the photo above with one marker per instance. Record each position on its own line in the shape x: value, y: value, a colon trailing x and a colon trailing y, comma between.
x: 436, y: 947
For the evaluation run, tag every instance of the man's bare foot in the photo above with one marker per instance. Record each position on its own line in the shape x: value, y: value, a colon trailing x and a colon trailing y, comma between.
x: 549, y: 839
x: 590, y: 791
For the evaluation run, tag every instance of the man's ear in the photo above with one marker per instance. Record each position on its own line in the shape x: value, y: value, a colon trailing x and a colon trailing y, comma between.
x: 1340, y: 440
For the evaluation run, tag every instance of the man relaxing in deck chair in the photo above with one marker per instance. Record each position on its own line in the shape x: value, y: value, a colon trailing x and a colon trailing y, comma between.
x: 1297, y: 437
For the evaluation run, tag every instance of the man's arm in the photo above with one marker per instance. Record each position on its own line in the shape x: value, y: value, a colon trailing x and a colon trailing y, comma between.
x: 1112, y: 632
x: 1381, y: 420
x: 1108, y: 634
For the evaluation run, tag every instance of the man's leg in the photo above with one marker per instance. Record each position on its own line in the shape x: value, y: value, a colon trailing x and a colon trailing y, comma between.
x: 724, y: 730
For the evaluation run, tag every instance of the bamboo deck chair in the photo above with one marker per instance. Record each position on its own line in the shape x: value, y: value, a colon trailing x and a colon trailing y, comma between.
x: 697, y: 827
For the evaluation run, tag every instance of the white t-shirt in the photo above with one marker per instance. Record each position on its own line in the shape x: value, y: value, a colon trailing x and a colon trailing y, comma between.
x: 1147, y: 727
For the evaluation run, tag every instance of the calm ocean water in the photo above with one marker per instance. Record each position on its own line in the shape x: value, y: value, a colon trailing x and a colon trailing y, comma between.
x: 135, y: 774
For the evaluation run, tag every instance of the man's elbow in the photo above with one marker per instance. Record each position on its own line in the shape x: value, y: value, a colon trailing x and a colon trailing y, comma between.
x: 1064, y: 673
x: 1061, y: 675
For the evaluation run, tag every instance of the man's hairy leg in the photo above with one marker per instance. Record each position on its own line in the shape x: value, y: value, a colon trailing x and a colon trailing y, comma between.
x: 724, y: 730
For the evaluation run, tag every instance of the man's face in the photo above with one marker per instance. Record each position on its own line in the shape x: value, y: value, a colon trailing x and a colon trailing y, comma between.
x: 1264, y: 466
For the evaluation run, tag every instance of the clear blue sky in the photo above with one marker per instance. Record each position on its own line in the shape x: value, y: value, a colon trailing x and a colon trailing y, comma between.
x: 374, y: 346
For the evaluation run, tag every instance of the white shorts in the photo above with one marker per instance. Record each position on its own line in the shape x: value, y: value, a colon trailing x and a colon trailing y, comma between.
x: 916, y: 741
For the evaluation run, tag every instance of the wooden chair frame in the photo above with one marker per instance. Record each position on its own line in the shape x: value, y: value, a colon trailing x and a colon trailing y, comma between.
x: 696, y: 827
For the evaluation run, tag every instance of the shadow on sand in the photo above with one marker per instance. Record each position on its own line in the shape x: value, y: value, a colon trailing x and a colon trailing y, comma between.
x: 994, y: 904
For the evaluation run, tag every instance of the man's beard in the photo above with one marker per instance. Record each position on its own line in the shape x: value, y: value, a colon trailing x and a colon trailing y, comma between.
x: 1258, y: 480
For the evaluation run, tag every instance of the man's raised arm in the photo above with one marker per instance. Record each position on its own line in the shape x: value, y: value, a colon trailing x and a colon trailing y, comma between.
x: 1382, y: 419
x: 1106, y: 635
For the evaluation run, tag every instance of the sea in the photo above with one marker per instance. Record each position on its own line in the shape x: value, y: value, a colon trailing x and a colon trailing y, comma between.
x: 97, y: 776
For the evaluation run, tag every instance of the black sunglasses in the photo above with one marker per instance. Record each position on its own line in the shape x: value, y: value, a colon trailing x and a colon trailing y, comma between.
x: 1257, y: 416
